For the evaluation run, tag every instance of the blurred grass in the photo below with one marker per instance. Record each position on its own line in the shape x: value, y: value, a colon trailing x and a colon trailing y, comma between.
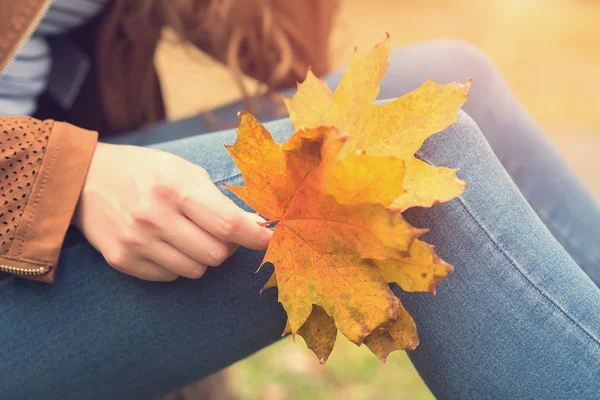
x: 549, y: 52
x: 287, y: 370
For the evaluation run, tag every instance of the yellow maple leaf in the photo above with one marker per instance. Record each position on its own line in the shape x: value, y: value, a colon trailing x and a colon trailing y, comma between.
x: 421, y: 271
x: 373, y: 179
x: 399, y: 335
x: 397, y: 128
x: 319, y: 333
x: 336, y: 190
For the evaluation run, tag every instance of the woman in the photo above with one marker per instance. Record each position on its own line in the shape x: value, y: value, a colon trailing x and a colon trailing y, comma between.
x: 518, y: 317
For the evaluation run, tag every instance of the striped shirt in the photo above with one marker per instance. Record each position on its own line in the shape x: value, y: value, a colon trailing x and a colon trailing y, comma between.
x: 27, y: 77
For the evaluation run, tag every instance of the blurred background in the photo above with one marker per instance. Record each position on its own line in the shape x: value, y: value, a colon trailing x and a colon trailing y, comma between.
x: 548, y: 51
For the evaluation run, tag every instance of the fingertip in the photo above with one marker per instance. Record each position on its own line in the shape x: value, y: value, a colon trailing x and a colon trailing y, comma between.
x: 263, y: 233
x: 197, y: 271
x: 249, y: 233
x: 265, y: 238
x: 260, y: 239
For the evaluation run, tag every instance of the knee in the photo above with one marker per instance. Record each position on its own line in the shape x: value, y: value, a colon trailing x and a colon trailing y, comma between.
x: 465, y: 55
x: 445, y: 61
x: 465, y: 129
x: 466, y: 58
x: 456, y: 145
x: 464, y: 133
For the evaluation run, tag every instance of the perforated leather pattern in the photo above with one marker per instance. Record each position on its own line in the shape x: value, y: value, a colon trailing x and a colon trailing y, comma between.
x: 23, y: 142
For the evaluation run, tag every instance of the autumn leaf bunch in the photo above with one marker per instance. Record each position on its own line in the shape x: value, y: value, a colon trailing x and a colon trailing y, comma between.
x: 335, y: 192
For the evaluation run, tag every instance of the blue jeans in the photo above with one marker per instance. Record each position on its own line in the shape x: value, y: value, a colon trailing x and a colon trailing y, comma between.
x: 518, y: 318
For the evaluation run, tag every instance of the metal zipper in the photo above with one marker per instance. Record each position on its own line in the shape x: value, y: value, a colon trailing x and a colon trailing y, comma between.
x: 24, y: 271
x: 25, y: 38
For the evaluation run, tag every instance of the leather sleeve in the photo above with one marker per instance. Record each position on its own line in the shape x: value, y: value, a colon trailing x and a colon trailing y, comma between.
x: 43, y: 165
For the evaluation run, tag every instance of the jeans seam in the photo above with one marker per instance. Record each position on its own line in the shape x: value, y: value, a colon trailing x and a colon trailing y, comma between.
x: 558, y: 231
x: 230, y: 178
x: 542, y: 212
x: 527, y: 278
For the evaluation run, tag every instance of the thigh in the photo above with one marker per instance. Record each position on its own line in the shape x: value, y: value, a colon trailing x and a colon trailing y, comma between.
x: 517, y: 318
x: 98, y: 334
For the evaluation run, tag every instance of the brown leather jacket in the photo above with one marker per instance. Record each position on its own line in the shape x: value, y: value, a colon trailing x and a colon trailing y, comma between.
x: 43, y: 164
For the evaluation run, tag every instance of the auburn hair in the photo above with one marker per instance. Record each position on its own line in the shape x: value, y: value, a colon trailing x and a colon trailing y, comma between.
x: 272, y: 41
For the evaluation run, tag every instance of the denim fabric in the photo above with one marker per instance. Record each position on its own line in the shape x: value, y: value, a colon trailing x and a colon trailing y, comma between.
x: 517, y: 319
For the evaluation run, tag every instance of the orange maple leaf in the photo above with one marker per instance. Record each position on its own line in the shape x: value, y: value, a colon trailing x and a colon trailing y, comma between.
x: 336, y: 190
x: 321, y: 249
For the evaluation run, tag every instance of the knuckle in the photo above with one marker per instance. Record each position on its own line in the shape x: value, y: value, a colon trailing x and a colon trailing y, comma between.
x: 128, y: 238
x: 217, y: 255
x: 185, y: 202
x: 118, y: 258
x: 145, y: 214
x: 165, y: 190
x: 229, y: 225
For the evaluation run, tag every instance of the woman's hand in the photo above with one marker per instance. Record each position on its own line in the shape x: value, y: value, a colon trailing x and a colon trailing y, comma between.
x: 156, y: 216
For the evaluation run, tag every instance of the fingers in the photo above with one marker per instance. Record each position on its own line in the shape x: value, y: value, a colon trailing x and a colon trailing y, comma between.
x: 197, y: 243
x: 170, y: 258
x: 218, y: 215
x: 183, y: 233
x: 159, y: 261
x: 147, y: 270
